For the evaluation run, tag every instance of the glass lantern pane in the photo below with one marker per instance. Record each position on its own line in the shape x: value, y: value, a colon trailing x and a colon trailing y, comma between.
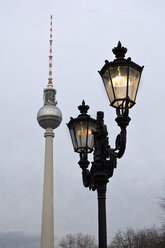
x: 119, y: 81
x: 81, y: 134
x: 73, y: 136
x: 108, y: 86
x: 134, y: 77
x: 84, y: 136
x: 91, y: 129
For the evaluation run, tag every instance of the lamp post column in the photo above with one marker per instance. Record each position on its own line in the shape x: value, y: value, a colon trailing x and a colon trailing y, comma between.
x: 100, y: 176
x: 47, y: 232
x: 102, y: 229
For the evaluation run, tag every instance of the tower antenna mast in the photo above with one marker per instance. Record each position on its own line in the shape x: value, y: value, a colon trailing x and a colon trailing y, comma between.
x: 50, y: 55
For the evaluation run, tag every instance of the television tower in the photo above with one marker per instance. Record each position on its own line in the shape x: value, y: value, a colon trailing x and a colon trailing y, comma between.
x: 49, y: 117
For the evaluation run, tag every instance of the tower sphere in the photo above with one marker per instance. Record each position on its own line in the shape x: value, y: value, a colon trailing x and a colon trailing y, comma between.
x: 49, y: 116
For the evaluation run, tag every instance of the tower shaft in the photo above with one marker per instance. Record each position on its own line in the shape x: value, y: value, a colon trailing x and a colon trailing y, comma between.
x: 47, y: 230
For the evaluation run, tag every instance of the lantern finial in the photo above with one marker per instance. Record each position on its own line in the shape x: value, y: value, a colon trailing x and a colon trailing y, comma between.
x: 83, y: 108
x: 119, y: 51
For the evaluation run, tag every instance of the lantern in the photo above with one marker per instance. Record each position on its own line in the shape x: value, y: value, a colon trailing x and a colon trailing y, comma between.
x: 121, y: 79
x: 81, y: 130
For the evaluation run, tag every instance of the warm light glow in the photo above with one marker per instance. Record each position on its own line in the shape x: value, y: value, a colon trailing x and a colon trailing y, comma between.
x: 83, y: 132
x: 119, y: 81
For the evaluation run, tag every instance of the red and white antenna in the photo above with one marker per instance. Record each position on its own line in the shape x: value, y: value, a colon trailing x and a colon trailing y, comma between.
x: 50, y: 55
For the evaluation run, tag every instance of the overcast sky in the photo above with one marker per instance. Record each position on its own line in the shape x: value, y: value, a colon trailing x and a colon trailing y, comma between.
x: 84, y: 33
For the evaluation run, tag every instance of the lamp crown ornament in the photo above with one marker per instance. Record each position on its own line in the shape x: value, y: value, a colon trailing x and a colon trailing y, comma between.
x: 83, y: 108
x: 119, y: 51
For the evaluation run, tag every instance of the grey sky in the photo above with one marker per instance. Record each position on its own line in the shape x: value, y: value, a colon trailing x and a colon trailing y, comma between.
x: 84, y: 33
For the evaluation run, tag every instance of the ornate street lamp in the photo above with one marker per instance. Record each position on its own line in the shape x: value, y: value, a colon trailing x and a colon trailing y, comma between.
x: 121, y: 80
x: 81, y: 131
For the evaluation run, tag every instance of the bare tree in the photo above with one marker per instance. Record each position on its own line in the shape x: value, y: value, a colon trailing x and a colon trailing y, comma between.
x: 78, y: 240
x: 162, y: 205
x: 144, y: 238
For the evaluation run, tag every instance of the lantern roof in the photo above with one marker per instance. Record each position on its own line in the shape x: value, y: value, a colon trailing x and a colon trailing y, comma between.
x: 120, y: 52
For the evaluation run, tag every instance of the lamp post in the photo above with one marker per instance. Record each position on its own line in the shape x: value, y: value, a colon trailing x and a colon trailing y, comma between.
x: 121, y: 80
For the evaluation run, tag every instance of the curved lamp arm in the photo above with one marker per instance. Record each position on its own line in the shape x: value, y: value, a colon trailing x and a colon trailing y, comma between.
x: 83, y: 163
x: 123, y: 122
x: 120, y: 143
